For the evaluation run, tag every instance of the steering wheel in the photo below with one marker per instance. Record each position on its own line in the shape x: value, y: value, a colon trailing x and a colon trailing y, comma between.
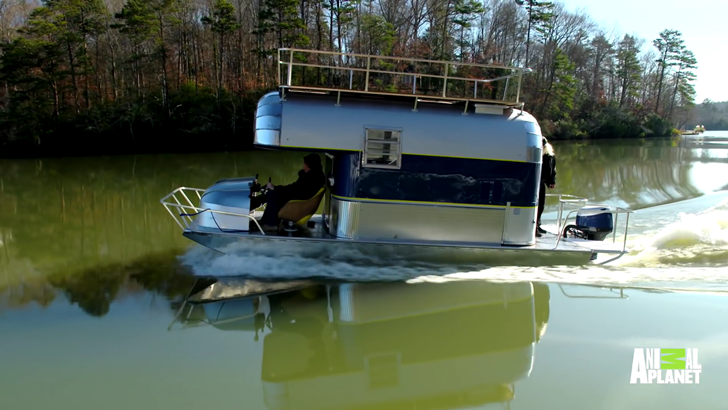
x: 256, y: 187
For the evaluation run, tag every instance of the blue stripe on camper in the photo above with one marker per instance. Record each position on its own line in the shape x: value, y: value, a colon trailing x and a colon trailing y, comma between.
x: 440, y: 179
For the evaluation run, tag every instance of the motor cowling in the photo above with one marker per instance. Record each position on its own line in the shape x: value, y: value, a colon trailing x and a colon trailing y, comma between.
x: 593, y: 223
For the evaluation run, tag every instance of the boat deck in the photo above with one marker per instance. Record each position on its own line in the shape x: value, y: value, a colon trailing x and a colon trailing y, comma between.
x: 547, y: 242
x: 315, y: 240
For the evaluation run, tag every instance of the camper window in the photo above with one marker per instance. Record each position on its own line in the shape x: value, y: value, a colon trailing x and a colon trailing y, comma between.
x: 382, y: 148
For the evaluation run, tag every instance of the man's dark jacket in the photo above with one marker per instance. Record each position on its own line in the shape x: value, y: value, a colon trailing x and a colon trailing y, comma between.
x: 307, y: 185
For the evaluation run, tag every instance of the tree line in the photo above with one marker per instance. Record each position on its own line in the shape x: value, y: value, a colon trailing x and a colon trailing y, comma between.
x: 712, y: 115
x: 161, y: 75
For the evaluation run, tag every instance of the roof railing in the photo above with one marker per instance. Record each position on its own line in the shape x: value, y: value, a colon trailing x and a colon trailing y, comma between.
x: 439, y: 81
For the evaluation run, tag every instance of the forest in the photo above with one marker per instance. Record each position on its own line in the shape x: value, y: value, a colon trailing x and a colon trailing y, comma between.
x: 712, y: 115
x: 142, y: 76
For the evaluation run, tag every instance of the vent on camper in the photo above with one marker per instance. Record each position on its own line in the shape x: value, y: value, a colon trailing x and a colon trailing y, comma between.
x: 382, y: 148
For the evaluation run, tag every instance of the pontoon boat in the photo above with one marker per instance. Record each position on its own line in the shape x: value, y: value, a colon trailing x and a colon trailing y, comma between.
x: 445, y: 172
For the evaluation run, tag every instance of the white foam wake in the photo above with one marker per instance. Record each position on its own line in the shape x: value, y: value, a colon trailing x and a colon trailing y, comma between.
x: 272, y: 261
x: 672, y: 249
x: 697, y: 240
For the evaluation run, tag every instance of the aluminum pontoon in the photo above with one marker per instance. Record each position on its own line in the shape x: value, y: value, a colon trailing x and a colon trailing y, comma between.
x: 427, y: 160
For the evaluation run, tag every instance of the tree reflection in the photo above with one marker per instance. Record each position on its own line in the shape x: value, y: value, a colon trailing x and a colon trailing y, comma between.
x: 92, y: 291
x: 83, y: 226
x: 95, y: 289
x: 636, y: 173
x: 93, y: 211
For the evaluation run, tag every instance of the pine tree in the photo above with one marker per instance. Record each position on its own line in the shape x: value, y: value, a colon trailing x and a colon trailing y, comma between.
x: 221, y: 21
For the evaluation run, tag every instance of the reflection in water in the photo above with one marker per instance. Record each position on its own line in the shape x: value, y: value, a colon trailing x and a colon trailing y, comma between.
x: 95, y: 289
x: 387, y: 346
x: 81, y: 227
x: 89, y: 232
x: 633, y: 173
x: 65, y: 216
x: 92, y: 291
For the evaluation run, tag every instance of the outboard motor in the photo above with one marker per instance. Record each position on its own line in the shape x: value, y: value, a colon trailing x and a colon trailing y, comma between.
x: 593, y: 223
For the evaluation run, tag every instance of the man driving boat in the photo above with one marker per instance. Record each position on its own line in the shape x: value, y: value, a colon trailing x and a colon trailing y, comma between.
x: 310, y: 179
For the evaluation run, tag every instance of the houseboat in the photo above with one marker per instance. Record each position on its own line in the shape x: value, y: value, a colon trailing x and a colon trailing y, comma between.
x: 424, y: 160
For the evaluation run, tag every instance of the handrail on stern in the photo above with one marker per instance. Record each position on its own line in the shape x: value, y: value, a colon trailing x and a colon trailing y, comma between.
x: 616, y: 211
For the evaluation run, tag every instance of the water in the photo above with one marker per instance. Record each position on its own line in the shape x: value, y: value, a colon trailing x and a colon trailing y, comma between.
x: 94, y: 274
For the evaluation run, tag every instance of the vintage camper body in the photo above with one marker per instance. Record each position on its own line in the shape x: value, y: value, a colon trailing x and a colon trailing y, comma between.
x: 432, y: 172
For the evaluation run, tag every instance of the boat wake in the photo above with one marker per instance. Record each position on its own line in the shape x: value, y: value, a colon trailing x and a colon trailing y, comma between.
x: 671, y: 250
x: 270, y: 262
x: 693, y: 240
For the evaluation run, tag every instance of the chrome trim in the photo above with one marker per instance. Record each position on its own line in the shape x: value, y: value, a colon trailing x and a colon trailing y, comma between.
x: 268, y: 122
x: 534, y: 149
x: 272, y: 97
x: 344, y: 219
x: 268, y: 137
x: 268, y: 109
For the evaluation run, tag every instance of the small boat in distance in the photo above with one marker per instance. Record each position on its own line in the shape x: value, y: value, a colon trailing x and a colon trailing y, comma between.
x: 426, y: 160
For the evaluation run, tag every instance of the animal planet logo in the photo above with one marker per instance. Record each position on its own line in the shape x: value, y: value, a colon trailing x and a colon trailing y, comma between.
x: 667, y: 366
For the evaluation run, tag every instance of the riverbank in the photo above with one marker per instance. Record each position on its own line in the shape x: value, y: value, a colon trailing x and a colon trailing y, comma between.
x: 201, y: 122
x: 113, y: 145
x: 174, y: 144
x: 607, y: 122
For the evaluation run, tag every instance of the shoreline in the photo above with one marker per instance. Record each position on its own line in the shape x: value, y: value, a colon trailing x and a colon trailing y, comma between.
x: 8, y: 152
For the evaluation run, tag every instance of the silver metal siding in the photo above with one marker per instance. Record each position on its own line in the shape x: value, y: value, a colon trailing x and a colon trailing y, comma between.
x: 431, y: 130
x: 268, y: 120
x: 378, y: 220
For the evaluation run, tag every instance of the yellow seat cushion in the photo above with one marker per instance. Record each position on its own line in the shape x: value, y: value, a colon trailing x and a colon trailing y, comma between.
x: 301, y: 210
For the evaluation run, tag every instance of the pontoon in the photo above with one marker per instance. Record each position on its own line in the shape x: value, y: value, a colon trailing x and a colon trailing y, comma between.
x: 427, y: 160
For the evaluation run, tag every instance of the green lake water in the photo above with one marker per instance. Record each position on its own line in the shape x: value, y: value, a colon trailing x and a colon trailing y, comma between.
x: 94, y: 275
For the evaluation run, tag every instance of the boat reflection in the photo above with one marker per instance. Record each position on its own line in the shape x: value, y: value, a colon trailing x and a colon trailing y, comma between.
x: 388, y: 345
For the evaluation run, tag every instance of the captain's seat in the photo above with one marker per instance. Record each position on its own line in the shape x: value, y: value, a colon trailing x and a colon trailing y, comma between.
x: 299, y: 211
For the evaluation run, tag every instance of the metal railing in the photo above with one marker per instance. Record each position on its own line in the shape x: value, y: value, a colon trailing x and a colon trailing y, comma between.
x: 616, y: 211
x: 572, y: 200
x: 366, y: 65
x: 186, y: 213
x: 621, y: 294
